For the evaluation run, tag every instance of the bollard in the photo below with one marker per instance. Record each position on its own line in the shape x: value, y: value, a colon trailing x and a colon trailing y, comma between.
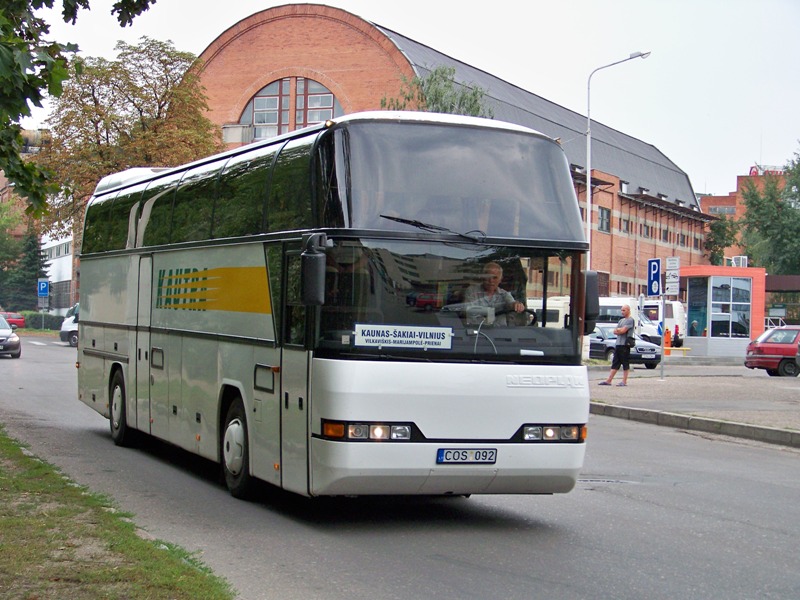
x: 667, y: 342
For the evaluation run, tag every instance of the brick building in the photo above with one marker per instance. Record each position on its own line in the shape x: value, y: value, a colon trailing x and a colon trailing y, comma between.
x: 732, y: 206
x: 293, y: 65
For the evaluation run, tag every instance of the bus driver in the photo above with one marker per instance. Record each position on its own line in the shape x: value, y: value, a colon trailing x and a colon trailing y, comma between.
x: 490, y: 294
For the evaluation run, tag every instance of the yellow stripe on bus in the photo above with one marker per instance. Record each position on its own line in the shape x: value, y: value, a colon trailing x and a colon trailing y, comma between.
x: 234, y: 289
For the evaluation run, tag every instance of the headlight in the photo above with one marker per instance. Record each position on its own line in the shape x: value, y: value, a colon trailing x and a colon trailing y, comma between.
x: 367, y: 432
x: 553, y: 433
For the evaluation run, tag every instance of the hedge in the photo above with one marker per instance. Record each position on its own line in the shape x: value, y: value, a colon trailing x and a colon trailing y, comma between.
x: 33, y: 320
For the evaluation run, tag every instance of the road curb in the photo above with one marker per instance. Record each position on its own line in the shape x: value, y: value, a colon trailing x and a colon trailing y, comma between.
x: 770, y: 435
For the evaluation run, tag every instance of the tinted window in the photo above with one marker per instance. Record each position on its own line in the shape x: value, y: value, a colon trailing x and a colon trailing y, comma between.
x: 329, y: 204
x: 97, y: 224
x: 193, y: 206
x: 156, y: 220
x: 503, y: 183
x: 239, y: 209
x: 122, y: 232
x: 289, y: 203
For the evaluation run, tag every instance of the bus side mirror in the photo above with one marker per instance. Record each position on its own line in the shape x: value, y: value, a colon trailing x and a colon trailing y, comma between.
x: 312, y: 267
x: 591, y: 302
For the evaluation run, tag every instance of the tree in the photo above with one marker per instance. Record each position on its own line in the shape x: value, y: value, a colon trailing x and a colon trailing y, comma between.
x: 9, y: 246
x: 439, y: 92
x: 19, y: 286
x: 145, y: 108
x: 721, y: 234
x: 771, y: 223
x: 30, y: 67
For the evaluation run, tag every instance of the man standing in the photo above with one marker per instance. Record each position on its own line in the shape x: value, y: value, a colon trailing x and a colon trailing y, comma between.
x: 622, y: 351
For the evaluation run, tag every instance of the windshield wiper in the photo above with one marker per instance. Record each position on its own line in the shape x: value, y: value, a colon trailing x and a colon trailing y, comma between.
x: 475, y: 235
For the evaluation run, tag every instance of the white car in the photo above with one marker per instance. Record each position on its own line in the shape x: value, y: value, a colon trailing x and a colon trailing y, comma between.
x: 69, y: 327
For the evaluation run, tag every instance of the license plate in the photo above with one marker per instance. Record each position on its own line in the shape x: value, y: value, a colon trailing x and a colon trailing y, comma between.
x: 648, y: 355
x: 487, y: 456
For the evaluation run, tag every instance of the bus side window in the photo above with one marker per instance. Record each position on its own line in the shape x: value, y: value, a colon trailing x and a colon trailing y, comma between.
x: 295, y: 329
x: 239, y: 209
x: 274, y: 254
x: 289, y: 200
x: 156, y: 220
x: 121, y: 236
x: 194, y: 203
x: 97, y: 226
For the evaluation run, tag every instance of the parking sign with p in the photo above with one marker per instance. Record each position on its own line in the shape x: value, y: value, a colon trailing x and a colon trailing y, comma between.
x: 654, y: 277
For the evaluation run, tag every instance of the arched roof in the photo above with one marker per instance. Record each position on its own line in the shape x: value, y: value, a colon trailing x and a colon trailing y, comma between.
x: 641, y: 164
x: 361, y: 62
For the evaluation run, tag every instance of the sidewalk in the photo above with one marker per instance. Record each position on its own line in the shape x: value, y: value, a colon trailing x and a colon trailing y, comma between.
x: 719, y: 396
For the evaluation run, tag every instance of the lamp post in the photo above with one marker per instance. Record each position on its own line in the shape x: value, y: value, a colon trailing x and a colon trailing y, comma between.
x: 589, y: 150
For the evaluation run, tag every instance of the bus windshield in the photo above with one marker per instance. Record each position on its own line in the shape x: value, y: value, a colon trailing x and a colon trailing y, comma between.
x: 445, y: 301
x: 494, y: 183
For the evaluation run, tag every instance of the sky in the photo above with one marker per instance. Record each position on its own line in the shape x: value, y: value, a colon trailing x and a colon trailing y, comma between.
x: 719, y: 93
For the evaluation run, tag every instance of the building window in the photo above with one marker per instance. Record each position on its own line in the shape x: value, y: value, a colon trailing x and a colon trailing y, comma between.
x: 603, y: 219
x: 271, y: 111
x: 665, y: 235
x: 730, y: 300
x: 722, y: 210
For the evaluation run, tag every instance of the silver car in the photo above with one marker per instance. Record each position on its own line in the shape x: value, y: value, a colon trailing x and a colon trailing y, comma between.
x: 10, y: 343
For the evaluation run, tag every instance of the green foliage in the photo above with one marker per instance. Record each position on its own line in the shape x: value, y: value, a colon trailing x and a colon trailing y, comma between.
x: 721, y: 234
x: 10, y: 247
x: 39, y: 321
x: 60, y: 540
x: 439, y: 92
x: 19, y: 284
x: 146, y: 108
x: 771, y: 224
x: 31, y: 67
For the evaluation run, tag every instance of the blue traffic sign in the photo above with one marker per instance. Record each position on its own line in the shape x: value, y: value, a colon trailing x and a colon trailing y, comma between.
x: 43, y: 288
x: 654, y: 277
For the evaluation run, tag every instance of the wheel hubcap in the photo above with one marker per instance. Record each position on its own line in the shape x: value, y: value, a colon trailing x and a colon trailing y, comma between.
x: 233, y: 446
x: 116, y: 406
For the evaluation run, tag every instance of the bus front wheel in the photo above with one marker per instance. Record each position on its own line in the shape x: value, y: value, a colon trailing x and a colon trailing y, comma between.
x: 120, y: 433
x: 236, y: 452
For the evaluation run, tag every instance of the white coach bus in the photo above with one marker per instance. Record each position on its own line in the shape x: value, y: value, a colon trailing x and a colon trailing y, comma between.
x: 313, y: 310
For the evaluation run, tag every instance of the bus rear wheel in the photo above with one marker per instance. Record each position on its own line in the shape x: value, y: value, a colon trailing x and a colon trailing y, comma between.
x: 236, y: 452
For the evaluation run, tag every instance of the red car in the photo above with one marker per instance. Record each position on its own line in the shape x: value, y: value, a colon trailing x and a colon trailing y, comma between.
x: 775, y: 350
x: 14, y: 319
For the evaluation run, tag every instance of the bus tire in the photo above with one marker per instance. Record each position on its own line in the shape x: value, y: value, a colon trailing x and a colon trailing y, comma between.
x: 120, y: 433
x: 236, y: 452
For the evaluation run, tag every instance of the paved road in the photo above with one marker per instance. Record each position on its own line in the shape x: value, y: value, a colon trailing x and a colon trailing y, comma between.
x: 657, y: 513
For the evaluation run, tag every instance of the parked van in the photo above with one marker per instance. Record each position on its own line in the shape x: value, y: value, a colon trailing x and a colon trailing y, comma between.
x: 557, y: 314
x: 674, y: 318
x: 611, y: 312
x: 69, y: 327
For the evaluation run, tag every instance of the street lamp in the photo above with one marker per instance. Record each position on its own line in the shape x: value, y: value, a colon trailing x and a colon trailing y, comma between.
x: 589, y: 150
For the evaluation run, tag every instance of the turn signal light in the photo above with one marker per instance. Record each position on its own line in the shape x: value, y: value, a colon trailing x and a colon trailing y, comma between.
x: 368, y: 432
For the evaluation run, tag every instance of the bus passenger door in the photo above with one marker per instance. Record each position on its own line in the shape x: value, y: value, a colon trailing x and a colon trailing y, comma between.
x: 294, y: 383
x: 141, y: 356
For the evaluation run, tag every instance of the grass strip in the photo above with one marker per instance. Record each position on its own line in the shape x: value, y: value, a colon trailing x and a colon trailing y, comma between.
x: 59, y: 540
